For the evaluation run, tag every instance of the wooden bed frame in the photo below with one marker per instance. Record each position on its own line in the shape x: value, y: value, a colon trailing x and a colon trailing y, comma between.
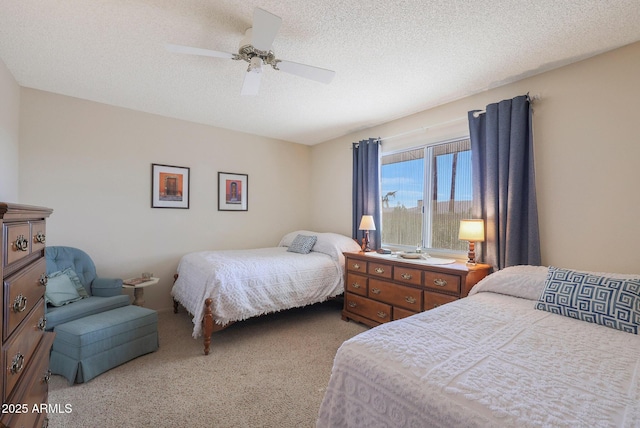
x: 208, y: 324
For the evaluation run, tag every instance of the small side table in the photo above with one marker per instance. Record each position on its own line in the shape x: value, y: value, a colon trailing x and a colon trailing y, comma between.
x: 138, y: 289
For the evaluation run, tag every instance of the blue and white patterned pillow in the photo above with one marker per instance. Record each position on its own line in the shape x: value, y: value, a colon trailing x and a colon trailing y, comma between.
x: 609, y: 301
x: 302, y: 244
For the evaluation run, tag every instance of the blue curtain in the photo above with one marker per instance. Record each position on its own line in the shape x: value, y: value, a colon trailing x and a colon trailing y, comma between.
x: 366, y: 188
x: 504, y: 182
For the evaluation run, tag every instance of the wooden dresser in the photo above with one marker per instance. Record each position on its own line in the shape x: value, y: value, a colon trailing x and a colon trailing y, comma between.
x: 25, y: 344
x: 380, y: 289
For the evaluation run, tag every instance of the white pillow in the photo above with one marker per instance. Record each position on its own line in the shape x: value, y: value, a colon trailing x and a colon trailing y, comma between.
x: 334, y: 244
x: 287, y: 239
x: 527, y: 282
x: 331, y: 244
x: 523, y: 281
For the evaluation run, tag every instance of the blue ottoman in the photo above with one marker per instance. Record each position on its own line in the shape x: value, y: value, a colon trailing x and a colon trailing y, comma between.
x: 89, y: 346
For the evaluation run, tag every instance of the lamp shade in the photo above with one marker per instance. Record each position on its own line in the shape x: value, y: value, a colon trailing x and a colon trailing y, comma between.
x: 471, y: 230
x: 367, y: 223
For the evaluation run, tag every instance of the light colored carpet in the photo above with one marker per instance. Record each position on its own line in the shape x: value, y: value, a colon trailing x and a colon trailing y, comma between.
x: 269, y: 371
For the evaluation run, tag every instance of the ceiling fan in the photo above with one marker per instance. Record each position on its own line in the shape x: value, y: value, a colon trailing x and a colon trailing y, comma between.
x: 255, y: 48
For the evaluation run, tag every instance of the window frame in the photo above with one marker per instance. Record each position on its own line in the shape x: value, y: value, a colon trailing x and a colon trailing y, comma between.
x: 427, y: 204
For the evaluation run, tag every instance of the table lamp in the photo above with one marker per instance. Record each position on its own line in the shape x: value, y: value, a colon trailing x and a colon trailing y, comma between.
x: 366, y: 224
x: 472, y: 231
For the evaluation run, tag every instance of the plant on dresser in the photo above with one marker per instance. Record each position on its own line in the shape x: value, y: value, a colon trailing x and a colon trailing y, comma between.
x: 380, y: 289
x: 25, y: 344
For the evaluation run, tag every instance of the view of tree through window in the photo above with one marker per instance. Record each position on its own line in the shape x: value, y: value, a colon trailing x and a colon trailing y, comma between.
x: 426, y: 191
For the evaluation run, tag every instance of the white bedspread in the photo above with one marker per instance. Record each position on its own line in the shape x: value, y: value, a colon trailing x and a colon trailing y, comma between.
x: 489, y: 360
x: 248, y: 283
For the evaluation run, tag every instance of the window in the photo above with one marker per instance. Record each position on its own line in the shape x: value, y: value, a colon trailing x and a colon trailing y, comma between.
x: 426, y: 191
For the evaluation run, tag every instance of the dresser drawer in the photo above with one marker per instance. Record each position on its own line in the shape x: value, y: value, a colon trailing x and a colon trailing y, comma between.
x: 33, y: 388
x: 442, y: 282
x: 433, y: 300
x: 399, y: 313
x: 356, y: 265
x: 380, y: 269
x: 379, y: 312
x: 21, y: 293
x: 17, y: 242
x: 396, y: 295
x: 407, y: 275
x: 18, y: 351
x: 356, y: 284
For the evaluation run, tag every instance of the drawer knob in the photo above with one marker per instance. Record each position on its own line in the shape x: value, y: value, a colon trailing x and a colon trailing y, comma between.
x: 410, y: 299
x: 406, y: 276
x: 352, y: 304
x: 375, y: 290
x: 440, y: 282
x: 42, y: 324
x: 382, y: 314
x: 46, y: 377
x: 43, y: 279
x: 379, y: 270
x: 356, y: 266
x: 355, y: 285
x: 17, y: 363
x: 21, y: 243
x: 40, y: 237
x: 19, y: 304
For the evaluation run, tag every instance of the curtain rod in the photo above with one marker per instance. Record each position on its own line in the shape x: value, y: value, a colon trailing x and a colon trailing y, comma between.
x: 424, y: 128
x: 532, y: 99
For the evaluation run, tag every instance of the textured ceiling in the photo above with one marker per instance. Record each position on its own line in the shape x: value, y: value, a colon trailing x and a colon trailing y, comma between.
x: 392, y: 58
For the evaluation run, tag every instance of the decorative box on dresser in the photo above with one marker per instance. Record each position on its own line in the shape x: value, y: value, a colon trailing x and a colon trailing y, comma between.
x: 380, y: 289
x: 25, y: 344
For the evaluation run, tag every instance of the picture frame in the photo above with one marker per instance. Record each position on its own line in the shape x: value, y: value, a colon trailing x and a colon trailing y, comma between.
x: 170, y: 186
x: 233, y: 191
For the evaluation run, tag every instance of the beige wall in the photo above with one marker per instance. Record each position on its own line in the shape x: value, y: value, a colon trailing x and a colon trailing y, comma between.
x: 91, y: 163
x: 587, y: 149
x: 9, y: 120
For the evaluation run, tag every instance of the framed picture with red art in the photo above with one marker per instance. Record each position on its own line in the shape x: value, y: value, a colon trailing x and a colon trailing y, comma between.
x: 233, y: 190
x: 170, y: 186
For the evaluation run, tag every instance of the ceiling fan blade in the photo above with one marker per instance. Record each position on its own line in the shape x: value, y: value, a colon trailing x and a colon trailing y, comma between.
x: 198, y: 51
x: 321, y: 75
x: 265, y: 28
x: 251, y: 84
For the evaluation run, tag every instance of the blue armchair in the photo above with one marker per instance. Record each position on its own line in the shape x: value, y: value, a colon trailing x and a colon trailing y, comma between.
x: 104, y: 293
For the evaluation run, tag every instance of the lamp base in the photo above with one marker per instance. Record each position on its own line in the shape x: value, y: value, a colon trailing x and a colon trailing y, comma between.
x: 471, y: 254
x: 365, y: 246
x: 365, y: 243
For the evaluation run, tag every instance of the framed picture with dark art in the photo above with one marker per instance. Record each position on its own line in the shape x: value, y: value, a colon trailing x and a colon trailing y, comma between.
x: 233, y: 191
x: 170, y: 186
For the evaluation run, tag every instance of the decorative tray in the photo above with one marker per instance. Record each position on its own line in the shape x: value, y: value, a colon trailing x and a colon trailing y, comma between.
x: 411, y: 255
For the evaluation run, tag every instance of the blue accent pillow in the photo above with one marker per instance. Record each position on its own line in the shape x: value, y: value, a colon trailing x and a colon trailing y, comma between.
x: 60, y: 291
x: 73, y: 276
x: 302, y: 244
x: 609, y: 301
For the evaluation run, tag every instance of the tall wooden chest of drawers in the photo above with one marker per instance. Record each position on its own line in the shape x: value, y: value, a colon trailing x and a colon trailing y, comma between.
x: 25, y: 344
x: 380, y: 289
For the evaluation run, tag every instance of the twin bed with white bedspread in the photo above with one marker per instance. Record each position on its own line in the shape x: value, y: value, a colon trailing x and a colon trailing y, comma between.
x: 518, y: 352
x: 221, y: 287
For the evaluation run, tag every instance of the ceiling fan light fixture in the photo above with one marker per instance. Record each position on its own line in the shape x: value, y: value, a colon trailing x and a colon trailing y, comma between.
x: 255, y: 65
